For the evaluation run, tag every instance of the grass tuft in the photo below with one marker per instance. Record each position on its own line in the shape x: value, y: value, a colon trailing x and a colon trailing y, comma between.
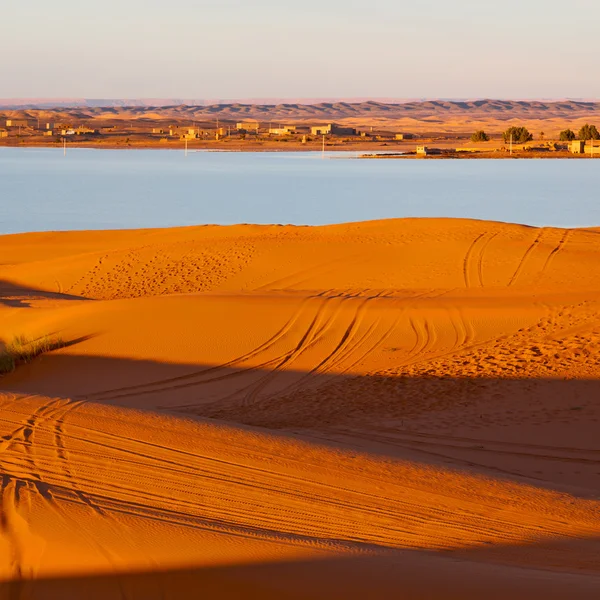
x: 23, y: 350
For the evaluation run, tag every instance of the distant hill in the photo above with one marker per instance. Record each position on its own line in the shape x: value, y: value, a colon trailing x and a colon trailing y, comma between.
x: 426, y: 118
x: 443, y: 109
x: 21, y: 103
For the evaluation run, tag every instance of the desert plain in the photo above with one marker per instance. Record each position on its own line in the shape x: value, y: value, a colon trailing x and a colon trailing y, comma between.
x: 389, y: 409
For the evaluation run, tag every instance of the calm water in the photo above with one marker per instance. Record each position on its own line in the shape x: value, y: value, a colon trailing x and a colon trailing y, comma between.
x: 101, y: 189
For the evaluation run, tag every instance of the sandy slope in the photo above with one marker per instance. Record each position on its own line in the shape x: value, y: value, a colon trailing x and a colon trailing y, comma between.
x: 398, y: 405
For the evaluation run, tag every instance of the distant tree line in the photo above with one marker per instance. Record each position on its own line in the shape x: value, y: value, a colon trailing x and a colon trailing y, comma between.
x: 521, y: 135
x: 587, y: 132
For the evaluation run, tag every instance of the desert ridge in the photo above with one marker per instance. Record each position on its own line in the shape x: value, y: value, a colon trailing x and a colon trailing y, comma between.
x: 396, y: 254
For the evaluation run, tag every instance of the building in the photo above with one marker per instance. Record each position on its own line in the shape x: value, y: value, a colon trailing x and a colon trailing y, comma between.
x: 3, y: 133
x: 50, y: 125
x: 592, y: 147
x: 422, y: 150
x: 16, y: 123
x: 404, y: 136
x: 248, y: 126
x: 321, y: 129
x: 81, y: 130
x: 48, y: 132
x: 285, y: 130
x: 189, y: 134
x: 332, y: 129
x: 577, y: 147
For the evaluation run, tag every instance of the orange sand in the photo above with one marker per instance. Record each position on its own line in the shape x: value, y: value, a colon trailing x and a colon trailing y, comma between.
x: 392, y: 409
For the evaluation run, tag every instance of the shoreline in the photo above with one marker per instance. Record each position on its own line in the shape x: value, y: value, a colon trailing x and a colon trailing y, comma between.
x: 369, y: 153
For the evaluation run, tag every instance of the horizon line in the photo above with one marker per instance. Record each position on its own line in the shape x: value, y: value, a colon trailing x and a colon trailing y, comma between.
x: 72, y: 102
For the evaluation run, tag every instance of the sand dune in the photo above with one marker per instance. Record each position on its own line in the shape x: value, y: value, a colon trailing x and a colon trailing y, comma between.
x: 402, y: 408
x: 501, y: 109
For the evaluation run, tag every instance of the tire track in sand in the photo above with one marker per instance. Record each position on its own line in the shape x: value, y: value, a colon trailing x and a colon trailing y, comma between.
x: 525, y: 256
x: 23, y: 444
x: 173, y: 383
x: 426, y: 338
x: 561, y: 244
x: 477, y: 248
x: 351, y: 344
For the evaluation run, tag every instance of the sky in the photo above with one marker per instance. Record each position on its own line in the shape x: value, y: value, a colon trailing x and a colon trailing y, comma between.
x: 299, y: 49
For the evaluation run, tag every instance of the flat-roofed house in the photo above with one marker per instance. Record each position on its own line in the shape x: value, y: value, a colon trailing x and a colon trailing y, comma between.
x: 189, y: 134
x: 577, y: 147
x: 332, y: 129
x: 337, y: 130
x: 592, y: 147
x: 16, y: 123
x: 285, y: 130
x: 248, y: 126
x: 321, y: 129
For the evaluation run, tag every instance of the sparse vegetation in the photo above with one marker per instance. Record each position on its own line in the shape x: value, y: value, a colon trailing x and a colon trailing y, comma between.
x: 567, y: 135
x: 520, y: 135
x: 23, y: 350
x: 588, y: 132
x: 480, y: 136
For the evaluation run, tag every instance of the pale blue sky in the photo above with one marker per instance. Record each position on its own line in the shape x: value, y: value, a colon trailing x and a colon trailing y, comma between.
x: 299, y: 49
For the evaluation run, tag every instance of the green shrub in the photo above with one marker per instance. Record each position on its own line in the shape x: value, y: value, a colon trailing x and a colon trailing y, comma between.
x: 567, y: 135
x: 21, y: 351
x: 520, y: 135
x: 480, y: 136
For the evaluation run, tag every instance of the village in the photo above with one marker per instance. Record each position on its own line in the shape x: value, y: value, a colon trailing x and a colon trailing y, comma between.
x: 27, y: 130
x: 376, y: 141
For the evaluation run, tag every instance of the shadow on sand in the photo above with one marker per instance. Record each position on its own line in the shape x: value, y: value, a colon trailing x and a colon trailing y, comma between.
x: 544, y: 430
x: 18, y: 296
x: 403, y: 574
x: 455, y: 423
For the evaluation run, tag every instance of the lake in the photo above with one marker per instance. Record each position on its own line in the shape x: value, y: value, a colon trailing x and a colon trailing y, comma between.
x: 42, y: 190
